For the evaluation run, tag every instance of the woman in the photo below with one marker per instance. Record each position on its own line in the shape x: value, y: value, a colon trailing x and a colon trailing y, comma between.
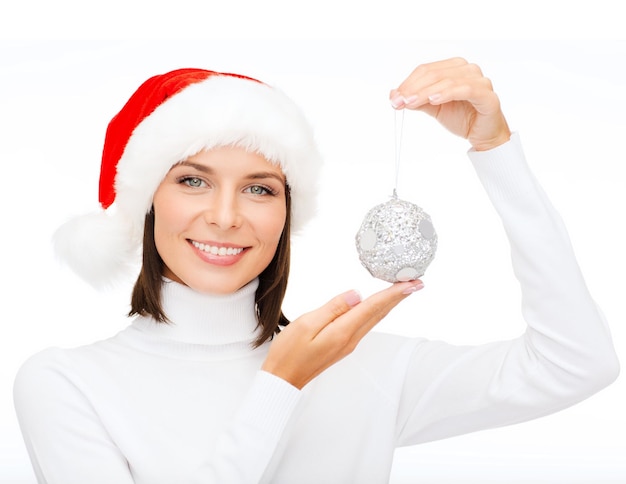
x: 210, y: 173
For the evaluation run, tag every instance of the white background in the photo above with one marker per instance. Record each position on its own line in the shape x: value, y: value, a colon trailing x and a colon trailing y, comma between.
x: 560, y: 71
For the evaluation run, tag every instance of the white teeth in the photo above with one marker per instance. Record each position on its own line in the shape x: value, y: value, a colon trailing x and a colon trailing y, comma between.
x: 211, y: 249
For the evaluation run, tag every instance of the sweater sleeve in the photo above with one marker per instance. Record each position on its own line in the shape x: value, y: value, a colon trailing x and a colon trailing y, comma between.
x: 566, y: 353
x: 68, y: 444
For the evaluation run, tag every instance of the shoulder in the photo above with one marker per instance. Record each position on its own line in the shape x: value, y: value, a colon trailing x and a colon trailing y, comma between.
x: 41, y: 363
x: 38, y: 371
x: 384, y: 352
x: 42, y: 381
x: 56, y: 380
x: 378, y: 366
x: 54, y: 369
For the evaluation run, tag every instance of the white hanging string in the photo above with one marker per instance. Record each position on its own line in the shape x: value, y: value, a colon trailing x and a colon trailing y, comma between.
x: 398, y: 131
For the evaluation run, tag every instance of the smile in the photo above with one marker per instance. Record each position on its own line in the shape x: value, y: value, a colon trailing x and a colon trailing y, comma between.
x: 214, y: 250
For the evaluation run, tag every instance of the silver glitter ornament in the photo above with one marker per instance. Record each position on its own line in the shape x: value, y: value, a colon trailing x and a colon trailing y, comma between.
x: 396, y: 241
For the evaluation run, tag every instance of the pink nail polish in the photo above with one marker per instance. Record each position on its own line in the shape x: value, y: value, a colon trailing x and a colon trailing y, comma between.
x: 413, y: 288
x: 352, y: 298
x: 410, y: 99
x: 397, y: 101
x: 433, y: 98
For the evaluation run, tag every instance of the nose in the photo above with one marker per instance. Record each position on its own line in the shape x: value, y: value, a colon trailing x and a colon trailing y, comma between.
x: 224, y: 210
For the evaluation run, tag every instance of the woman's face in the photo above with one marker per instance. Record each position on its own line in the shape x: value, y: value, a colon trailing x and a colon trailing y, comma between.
x: 219, y: 216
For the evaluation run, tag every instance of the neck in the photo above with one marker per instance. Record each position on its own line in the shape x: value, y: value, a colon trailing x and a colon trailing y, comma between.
x: 205, y: 319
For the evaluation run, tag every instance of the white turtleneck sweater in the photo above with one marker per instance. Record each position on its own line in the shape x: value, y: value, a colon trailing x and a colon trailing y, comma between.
x: 186, y: 402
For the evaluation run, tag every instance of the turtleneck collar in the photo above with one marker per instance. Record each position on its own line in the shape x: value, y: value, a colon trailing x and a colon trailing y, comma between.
x: 204, y: 319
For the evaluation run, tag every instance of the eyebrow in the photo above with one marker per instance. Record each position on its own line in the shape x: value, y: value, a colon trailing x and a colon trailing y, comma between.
x: 260, y: 175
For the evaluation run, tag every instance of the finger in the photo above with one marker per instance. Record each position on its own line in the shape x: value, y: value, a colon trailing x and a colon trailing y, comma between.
x: 478, y: 92
x: 319, y: 318
x: 448, y: 63
x: 427, y: 74
x: 376, y: 307
x: 441, y: 82
x: 357, y: 322
x: 405, y: 95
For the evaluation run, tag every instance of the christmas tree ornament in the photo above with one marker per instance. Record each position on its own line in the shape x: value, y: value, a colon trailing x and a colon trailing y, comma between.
x: 397, y: 240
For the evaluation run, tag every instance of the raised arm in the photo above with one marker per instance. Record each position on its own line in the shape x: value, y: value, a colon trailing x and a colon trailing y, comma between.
x: 566, y: 353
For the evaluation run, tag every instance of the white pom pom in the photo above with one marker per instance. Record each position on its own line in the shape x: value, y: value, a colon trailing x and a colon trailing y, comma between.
x: 99, y: 247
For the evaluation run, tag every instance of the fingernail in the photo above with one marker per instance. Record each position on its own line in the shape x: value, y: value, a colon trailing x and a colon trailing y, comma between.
x: 410, y: 99
x: 352, y: 298
x: 397, y: 101
x: 433, y: 98
x: 413, y: 288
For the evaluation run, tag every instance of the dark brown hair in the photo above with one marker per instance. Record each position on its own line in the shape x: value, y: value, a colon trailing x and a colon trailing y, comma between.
x: 146, y: 296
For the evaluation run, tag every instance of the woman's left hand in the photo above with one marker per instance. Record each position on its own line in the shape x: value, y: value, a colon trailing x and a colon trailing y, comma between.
x: 457, y: 94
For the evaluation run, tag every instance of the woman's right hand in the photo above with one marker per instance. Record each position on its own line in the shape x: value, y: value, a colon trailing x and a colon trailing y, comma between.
x: 320, y: 338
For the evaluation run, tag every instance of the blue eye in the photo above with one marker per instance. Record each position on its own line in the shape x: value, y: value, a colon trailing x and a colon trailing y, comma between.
x: 258, y: 190
x: 192, y: 182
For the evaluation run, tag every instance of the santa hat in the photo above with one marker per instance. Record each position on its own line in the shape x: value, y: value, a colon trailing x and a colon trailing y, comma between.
x: 170, y: 117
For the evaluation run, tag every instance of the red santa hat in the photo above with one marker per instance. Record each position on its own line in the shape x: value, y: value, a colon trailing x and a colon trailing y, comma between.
x: 170, y: 117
